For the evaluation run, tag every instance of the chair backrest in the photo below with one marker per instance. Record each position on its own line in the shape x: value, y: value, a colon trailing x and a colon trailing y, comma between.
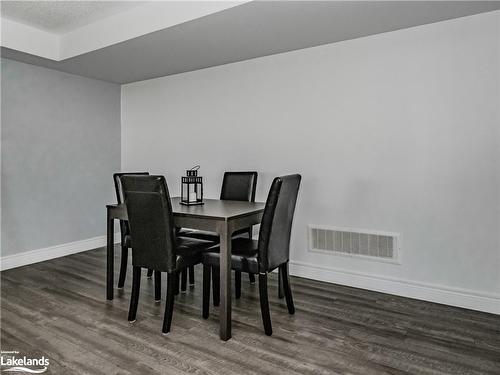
x: 151, y: 222
x: 239, y: 186
x: 124, y: 227
x: 118, y: 184
x: 276, y: 225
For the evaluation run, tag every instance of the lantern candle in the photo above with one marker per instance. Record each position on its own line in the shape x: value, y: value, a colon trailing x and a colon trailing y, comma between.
x: 192, y: 197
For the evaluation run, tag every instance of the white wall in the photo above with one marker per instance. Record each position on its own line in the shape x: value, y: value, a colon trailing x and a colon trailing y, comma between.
x: 396, y: 132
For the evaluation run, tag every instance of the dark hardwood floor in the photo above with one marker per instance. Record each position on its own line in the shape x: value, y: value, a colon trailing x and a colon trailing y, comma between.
x: 58, y: 309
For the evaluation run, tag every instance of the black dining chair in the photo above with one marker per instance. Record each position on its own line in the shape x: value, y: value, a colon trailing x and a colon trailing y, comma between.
x: 154, y: 242
x: 124, y: 227
x: 271, y: 251
x: 236, y: 186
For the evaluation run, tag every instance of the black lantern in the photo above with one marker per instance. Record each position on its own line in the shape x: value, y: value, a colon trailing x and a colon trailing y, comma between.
x: 192, y: 187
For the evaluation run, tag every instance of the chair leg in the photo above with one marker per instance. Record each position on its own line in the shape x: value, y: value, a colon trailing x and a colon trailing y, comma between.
x: 251, y: 276
x: 134, y: 297
x: 215, y: 286
x: 150, y: 274
x: 123, y: 267
x: 157, y: 286
x: 280, y: 284
x: 287, y: 289
x: 237, y: 283
x: 177, y: 283
x: 206, y: 291
x: 169, y: 304
x: 183, y: 280
x: 191, y: 276
x: 264, y: 304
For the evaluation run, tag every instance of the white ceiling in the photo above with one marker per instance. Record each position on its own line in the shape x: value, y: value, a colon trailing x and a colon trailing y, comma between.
x: 254, y: 29
x: 63, y: 16
x: 30, y: 28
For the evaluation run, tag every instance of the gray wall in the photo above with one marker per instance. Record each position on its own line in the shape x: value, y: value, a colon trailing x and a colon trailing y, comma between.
x: 60, y: 146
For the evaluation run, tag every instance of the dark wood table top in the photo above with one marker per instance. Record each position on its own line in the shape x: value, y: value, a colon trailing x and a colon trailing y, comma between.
x: 217, y: 209
x: 214, y: 209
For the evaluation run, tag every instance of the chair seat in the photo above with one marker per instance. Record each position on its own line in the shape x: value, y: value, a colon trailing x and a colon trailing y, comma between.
x: 243, y: 255
x: 199, y: 234
x: 183, y: 231
x: 208, y: 236
x: 189, y: 251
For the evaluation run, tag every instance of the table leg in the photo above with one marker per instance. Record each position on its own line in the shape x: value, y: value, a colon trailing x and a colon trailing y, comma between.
x: 225, y: 281
x: 110, y: 251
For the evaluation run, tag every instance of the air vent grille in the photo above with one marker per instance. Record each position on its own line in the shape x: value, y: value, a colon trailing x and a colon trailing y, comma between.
x: 355, y: 242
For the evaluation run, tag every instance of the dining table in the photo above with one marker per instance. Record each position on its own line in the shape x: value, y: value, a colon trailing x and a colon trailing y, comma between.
x: 223, y: 217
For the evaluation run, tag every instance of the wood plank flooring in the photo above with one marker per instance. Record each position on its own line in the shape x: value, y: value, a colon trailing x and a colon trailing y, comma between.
x: 58, y: 309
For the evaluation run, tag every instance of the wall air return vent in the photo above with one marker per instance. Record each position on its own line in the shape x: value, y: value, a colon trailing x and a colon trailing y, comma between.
x: 367, y: 244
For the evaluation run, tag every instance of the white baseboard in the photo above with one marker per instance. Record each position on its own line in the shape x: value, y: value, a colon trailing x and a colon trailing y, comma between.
x: 487, y: 302
x: 52, y: 252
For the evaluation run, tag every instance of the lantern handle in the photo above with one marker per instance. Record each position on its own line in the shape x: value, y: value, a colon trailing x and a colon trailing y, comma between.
x: 195, y: 168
